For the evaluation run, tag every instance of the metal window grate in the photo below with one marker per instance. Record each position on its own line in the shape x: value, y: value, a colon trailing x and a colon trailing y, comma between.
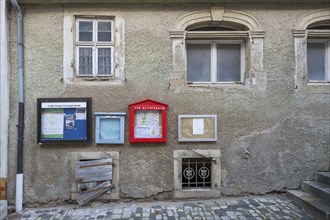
x: 196, y: 173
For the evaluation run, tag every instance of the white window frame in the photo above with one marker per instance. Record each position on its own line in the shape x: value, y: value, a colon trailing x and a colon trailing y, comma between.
x: 95, y: 45
x: 326, y: 43
x: 245, y: 28
x: 213, y: 62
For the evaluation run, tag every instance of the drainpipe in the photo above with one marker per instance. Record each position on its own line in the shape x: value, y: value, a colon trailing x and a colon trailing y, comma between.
x: 4, y: 106
x: 20, y: 126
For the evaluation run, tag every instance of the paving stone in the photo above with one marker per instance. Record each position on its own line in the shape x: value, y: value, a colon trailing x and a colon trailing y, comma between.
x: 116, y: 216
x: 145, y: 214
x: 252, y: 208
x: 169, y: 213
x: 231, y: 214
x: 274, y: 208
x: 117, y: 211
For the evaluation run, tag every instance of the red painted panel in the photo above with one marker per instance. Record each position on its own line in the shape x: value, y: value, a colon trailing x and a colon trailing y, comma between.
x: 143, y: 106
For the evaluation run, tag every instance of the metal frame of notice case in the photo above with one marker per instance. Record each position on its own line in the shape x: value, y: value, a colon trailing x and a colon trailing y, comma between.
x: 197, y: 128
x: 64, y: 120
x: 108, y: 138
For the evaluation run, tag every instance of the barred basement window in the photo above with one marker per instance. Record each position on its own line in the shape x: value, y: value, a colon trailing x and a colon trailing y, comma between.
x: 196, y: 173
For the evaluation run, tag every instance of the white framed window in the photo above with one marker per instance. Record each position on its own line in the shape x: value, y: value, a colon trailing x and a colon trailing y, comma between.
x: 94, y: 47
x: 217, y: 48
x: 318, y: 60
x: 312, y: 52
x: 219, y: 61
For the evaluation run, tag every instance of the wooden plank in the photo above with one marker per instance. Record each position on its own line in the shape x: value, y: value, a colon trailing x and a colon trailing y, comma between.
x: 93, y: 193
x: 94, y: 170
x: 94, y: 162
x: 94, y: 177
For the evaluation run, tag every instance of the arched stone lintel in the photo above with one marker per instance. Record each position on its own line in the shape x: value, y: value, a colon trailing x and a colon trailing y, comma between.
x: 217, y: 14
x: 312, y: 17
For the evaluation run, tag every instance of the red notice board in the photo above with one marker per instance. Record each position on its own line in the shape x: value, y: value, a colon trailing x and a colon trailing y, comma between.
x: 147, y: 121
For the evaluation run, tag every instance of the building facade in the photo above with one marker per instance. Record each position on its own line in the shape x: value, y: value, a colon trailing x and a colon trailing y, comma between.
x: 254, y: 75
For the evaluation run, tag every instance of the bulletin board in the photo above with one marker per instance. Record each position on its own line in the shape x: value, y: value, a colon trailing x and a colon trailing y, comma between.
x: 147, y: 121
x: 64, y: 120
x: 109, y: 127
x: 195, y: 128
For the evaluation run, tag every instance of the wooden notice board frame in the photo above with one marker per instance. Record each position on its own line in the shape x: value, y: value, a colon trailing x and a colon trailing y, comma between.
x: 197, y: 128
x: 64, y: 120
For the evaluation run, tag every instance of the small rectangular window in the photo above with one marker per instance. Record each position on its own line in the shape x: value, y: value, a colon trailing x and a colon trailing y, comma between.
x: 85, y: 31
x: 199, y: 62
x: 104, y: 31
x: 228, y: 62
x: 318, y: 54
x: 94, y: 45
x: 85, y: 60
x: 215, y: 62
x: 196, y: 173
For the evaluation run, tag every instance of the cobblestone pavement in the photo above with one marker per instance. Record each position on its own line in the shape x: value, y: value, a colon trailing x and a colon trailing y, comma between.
x: 237, y: 208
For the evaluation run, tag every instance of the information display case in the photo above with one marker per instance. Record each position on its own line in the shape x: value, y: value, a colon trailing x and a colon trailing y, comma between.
x: 64, y: 120
x: 109, y: 127
x: 148, y: 121
x: 195, y: 128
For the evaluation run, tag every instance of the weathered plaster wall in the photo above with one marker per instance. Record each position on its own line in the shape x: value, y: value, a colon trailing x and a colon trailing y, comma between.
x: 269, y: 140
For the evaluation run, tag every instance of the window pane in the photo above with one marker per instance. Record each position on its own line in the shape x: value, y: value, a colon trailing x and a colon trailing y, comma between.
x: 228, y: 62
x: 104, y: 60
x: 85, y: 61
x: 109, y: 129
x: 316, y: 61
x: 85, y: 31
x: 104, y: 31
x: 198, y: 62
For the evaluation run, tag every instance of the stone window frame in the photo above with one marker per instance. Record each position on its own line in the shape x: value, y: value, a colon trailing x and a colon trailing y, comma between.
x: 214, y: 191
x: 302, y: 35
x: 115, y: 192
x: 69, y: 47
x: 254, y: 76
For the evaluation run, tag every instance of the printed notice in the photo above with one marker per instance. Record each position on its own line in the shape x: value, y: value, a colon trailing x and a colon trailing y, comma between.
x: 147, y: 131
x: 81, y: 114
x: 198, y: 125
x: 147, y: 124
x: 52, y: 123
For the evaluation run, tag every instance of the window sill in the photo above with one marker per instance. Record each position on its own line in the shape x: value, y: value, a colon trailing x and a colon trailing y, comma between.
x: 215, y: 84
x: 314, y: 88
x: 95, y: 81
x: 320, y: 83
x: 197, y: 193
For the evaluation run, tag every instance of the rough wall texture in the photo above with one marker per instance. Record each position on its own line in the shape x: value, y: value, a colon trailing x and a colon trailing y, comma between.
x: 269, y: 140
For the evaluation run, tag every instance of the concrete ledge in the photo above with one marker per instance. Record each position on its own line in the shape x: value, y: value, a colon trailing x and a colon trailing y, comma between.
x: 3, y: 209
